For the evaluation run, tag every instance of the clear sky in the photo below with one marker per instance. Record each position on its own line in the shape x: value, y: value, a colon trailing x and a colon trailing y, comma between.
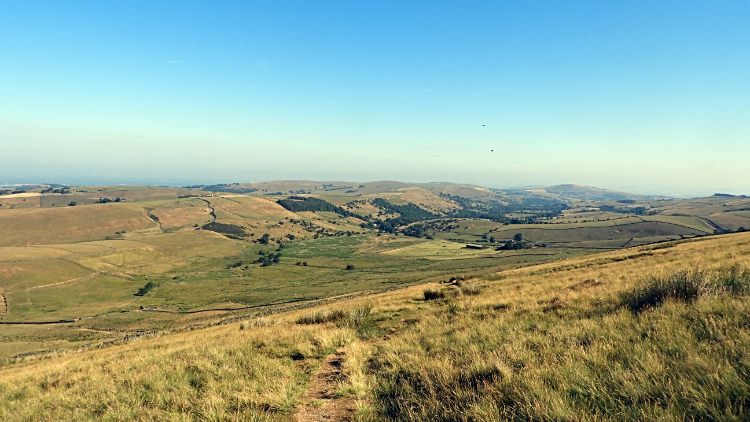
x: 649, y: 97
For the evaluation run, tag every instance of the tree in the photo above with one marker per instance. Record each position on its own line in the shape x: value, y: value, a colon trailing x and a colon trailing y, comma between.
x: 349, y: 267
x: 264, y: 239
x: 147, y: 288
x: 517, y: 237
x: 492, y: 239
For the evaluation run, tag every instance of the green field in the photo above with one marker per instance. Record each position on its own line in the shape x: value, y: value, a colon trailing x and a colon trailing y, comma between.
x: 90, y: 260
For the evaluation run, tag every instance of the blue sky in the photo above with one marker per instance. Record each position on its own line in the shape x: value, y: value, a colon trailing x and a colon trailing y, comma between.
x: 641, y: 96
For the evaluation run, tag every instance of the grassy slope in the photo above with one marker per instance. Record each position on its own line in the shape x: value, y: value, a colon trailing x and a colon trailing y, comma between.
x: 598, y: 234
x: 548, y: 342
x: 36, y: 226
x: 551, y: 343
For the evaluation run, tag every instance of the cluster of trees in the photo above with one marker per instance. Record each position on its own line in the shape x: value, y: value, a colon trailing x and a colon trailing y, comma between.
x: 221, y: 228
x: 299, y: 203
x: 496, y: 211
x: 408, y: 214
x: 636, y: 210
x: 417, y: 230
x: 51, y: 190
x: 104, y: 200
x: 266, y: 260
x: 147, y: 288
x: 514, y: 244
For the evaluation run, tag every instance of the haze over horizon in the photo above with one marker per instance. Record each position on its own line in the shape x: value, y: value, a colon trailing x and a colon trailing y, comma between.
x: 641, y: 97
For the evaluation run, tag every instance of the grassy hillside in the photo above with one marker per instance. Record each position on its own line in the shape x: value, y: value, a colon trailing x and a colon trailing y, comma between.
x: 215, y: 254
x: 655, y: 332
x: 35, y: 226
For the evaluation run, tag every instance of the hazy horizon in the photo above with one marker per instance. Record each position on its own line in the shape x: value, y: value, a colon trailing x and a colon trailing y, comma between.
x: 182, y: 182
x: 640, y: 97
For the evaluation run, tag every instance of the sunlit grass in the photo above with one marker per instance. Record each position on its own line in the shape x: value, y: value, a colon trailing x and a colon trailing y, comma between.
x: 558, y: 341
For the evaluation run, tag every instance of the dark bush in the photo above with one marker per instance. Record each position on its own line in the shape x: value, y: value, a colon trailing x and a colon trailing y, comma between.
x: 224, y: 228
x: 147, y: 288
x: 682, y: 285
x: 433, y: 293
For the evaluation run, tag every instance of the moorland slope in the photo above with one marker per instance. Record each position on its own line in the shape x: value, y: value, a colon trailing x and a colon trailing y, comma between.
x: 651, y: 332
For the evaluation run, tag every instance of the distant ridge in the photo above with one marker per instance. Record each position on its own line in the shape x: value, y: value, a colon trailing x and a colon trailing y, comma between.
x: 588, y: 193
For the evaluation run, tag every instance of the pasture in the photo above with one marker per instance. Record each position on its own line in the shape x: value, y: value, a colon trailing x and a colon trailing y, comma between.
x: 37, y: 226
x: 552, y: 340
x: 91, y: 260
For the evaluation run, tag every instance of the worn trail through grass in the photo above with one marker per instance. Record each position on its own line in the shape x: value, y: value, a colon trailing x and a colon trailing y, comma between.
x: 319, y: 403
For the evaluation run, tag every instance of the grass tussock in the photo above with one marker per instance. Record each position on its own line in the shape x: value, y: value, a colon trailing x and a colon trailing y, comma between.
x: 686, y: 286
x: 579, y: 360
x: 360, y: 319
x: 470, y: 289
x: 258, y: 323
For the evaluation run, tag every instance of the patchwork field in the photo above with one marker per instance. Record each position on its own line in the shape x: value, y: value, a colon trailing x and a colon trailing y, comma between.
x: 84, y: 275
x: 560, y: 340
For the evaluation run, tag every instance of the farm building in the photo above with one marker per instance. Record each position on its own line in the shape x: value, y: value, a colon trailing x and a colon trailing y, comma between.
x: 475, y: 246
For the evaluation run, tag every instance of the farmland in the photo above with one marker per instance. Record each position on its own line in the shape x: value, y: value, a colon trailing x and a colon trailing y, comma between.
x: 161, y: 259
x: 504, y: 333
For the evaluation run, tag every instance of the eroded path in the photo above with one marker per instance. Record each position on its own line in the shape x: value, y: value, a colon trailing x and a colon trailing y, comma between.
x: 319, y: 403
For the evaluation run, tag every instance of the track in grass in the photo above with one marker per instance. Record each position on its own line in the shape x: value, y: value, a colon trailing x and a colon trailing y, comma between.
x: 320, y: 402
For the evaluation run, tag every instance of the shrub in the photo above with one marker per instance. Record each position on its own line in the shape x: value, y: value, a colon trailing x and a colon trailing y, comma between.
x: 686, y: 286
x: 470, y: 289
x: 359, y: 319
x: 147, y: 288
x: 433, y: 293
x: 259, y: 322
x: 349, y: 267
x: 321, y: 317
x: 734, y: 281
x: 682, y: 285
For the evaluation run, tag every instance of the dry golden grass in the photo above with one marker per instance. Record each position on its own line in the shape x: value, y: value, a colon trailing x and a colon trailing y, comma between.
x: 9, y: 202
x: 427, y: 200
x: 222, y: 374
x: 251, y: 207
x: 184, y: 213
x: 70, y: 224
x: 549, y: 342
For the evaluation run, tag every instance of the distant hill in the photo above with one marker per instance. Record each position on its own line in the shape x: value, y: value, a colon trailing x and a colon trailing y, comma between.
x: 587, y: 193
